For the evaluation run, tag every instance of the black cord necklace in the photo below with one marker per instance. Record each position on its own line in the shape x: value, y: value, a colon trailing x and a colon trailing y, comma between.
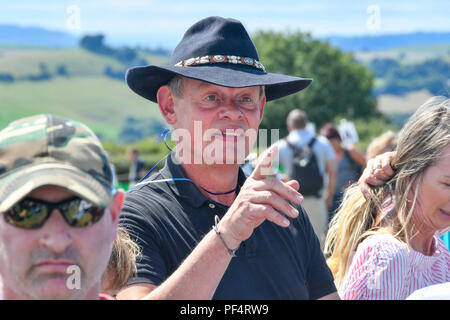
x: 164, y: 134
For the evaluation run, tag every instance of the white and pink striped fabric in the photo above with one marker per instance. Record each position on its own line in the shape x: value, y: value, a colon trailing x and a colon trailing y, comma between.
x: 383, y: 269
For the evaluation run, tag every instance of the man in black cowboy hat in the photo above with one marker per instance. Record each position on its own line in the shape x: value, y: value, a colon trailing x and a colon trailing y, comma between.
x: 201, y: 224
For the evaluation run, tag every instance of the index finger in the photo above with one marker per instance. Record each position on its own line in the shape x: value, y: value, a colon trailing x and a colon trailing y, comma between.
x: 264, y: 164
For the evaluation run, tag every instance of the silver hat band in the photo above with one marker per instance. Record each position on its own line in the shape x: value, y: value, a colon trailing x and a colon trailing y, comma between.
x: 222, y: 59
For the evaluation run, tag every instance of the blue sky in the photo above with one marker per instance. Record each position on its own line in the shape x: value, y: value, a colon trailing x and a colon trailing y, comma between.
x: 163, y: 22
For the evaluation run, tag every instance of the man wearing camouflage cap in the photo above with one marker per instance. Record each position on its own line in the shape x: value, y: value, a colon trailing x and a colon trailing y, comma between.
x: 58, y: 208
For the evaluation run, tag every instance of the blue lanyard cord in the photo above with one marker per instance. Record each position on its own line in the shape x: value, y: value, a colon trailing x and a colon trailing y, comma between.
x: 151, y: 170
x: 164, y: 133
x: 141, y: 182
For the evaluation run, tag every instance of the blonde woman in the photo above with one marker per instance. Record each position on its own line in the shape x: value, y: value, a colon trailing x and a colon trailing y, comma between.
x: 386, y: 245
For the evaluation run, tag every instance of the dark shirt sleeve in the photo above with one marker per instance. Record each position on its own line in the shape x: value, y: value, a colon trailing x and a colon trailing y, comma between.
x: 320, y: 279
x: 135, y: 218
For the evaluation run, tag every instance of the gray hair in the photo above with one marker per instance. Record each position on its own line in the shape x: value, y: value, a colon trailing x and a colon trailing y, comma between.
x: 176, y: 87
x: 297, y: 119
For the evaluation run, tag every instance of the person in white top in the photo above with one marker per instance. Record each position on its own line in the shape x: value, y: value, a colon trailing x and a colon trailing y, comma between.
x: 299, y: 136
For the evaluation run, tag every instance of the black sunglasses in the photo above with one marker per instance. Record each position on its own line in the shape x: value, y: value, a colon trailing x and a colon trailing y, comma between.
x: 32, y: 213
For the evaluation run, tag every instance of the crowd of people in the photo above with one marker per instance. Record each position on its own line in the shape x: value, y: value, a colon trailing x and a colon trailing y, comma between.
x: 339, y: 224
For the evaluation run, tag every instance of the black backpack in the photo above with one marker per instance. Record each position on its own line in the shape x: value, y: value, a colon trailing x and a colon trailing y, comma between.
x: 305, y: 169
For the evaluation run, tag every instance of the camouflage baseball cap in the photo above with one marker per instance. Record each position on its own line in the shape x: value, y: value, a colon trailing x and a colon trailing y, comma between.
x: 50, y: 150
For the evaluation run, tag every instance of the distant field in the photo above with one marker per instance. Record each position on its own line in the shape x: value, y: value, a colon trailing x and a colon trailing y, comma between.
x: 156, y: 60
x: 23, y: 62
x: 86, y: 95
x: 412, y: 54
x: 103, y: 103
x: 97, y: 101
x: 405, y: 104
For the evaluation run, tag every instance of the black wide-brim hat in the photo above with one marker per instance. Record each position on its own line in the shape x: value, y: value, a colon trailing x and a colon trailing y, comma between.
x: 218, y: 51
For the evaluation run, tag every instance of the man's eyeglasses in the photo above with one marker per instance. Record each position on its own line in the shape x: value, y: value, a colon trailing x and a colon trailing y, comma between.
x: 32, y: 213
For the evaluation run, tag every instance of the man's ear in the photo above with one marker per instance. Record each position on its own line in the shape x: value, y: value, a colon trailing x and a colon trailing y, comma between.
x: 116, y: 205
x: 166, y: 104
x: 115, y: 209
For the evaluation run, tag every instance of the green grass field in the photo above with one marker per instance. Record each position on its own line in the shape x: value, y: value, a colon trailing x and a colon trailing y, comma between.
x: 426, y: 51
x: 101, y: 102
x: 21, y: 62
x: 87, y: 95
x: 97, y: 101
x: 408, y: 55
x: 156, y: 60
x: 24, y: 62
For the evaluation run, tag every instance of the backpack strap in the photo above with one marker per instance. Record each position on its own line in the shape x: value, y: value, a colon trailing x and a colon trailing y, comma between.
x: 295, y: 149
x: 290, y: 145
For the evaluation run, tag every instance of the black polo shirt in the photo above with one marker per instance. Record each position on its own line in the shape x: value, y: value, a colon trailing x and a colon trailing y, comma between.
x: 168, y: 219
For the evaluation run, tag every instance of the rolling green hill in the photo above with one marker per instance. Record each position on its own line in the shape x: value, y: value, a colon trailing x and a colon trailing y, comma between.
x: 407, y: 55
x: 403, y: 70
x: 23, y: 62
x: 100, y: 102
x: 87, y: 95
x: 84, y: 94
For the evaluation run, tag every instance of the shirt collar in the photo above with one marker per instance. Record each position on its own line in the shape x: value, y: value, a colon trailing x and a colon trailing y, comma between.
x: 186, y: 189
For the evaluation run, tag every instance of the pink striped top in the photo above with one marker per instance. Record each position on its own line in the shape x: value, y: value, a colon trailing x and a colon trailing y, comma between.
x: 383, y: 269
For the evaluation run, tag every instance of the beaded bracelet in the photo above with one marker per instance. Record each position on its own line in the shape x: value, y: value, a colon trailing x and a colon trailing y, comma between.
x: 231, y: 252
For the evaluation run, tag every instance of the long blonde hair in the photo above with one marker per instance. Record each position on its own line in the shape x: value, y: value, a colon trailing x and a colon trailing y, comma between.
x: 122, y: 263
x: 420, y: 144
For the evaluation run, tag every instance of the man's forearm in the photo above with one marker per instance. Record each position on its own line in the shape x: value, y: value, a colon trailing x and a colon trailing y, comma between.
x: 199, y: 275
